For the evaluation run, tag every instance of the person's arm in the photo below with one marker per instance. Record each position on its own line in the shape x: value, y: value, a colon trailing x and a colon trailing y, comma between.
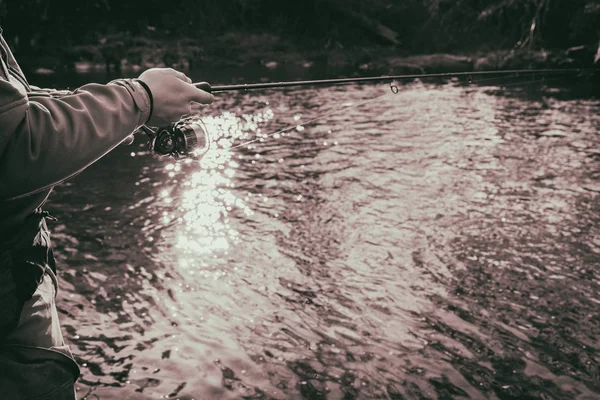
x: 45, y: 140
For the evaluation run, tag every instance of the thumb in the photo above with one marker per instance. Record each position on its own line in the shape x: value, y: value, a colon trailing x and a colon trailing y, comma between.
x: 200, y: 96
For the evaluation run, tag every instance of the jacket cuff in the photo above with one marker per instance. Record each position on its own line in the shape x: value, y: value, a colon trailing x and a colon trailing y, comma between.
x: 140, y: 96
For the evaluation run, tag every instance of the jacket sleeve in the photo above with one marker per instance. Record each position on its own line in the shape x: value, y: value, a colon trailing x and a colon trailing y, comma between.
x: 38, y: 91
x: 45, y: 140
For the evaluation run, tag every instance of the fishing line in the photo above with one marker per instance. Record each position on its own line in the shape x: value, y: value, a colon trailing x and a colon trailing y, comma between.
x: 394, y: 90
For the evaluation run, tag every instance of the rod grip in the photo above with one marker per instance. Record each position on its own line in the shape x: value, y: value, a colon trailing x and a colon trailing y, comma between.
x: 204, y: 86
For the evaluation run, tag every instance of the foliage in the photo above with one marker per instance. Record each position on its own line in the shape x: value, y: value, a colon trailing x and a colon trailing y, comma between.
x: 423, y: 25
x: 520, y: 23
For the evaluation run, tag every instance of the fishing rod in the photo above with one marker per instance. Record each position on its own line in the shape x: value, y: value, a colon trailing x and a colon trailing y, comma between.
x: 188, y: 137
x: 338, y: 81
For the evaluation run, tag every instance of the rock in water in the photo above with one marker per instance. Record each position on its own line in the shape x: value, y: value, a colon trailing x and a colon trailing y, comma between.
x: 431, y: 63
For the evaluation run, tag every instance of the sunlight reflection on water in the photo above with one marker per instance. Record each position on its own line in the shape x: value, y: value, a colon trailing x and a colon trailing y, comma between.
x: 204, y: 203
x: 432, y: 244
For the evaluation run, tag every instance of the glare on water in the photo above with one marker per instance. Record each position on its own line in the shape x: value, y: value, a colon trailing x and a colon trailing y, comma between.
x: 441, y: 242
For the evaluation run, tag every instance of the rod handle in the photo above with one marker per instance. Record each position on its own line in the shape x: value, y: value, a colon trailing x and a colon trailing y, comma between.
x: 204, y: 86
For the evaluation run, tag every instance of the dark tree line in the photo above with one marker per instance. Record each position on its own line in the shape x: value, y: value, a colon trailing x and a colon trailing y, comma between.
x: 420, y: 26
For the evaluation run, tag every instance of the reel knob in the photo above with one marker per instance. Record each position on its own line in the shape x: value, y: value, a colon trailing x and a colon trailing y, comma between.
x: 163, y: 143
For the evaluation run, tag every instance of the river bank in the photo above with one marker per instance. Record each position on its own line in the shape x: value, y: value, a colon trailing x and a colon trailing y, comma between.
x: 276, y: 56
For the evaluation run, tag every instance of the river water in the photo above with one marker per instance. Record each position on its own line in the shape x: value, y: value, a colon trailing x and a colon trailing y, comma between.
x: 438, y: 243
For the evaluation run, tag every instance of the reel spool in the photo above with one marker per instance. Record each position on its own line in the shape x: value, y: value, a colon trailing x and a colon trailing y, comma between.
x: 187, y: 138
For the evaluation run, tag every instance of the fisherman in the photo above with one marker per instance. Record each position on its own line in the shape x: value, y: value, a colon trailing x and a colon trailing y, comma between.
x: 46, y: 137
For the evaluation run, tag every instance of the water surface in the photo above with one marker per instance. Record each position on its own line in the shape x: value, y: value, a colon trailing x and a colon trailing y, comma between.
x: 439, y: 243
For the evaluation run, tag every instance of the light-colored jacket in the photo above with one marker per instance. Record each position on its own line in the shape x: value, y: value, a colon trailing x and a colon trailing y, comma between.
x: 48, y: 136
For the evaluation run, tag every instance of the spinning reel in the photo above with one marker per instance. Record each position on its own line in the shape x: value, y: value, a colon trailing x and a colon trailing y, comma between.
x: 186, y: 138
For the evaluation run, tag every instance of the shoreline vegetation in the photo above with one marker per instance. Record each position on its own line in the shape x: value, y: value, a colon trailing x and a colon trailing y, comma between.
x: 303, y: 37
x: 121, y: 53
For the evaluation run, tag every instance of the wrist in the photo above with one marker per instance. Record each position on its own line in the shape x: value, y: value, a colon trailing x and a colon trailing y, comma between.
x: 142, y: 97
x: 150, y: 97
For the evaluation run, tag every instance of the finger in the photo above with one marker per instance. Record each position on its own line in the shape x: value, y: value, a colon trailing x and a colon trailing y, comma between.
x: 179, y: 75
x: 204, y: 86
x: 195, y: 108
x: 186, y: 78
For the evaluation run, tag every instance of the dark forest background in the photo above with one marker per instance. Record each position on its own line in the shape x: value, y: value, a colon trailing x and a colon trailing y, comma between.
x: 45, y: 30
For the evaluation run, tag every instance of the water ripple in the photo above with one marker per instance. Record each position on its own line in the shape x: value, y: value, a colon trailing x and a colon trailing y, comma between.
x: 437, y: 243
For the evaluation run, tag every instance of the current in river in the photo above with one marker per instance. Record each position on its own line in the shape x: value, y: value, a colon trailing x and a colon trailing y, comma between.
x: 438, y: 243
